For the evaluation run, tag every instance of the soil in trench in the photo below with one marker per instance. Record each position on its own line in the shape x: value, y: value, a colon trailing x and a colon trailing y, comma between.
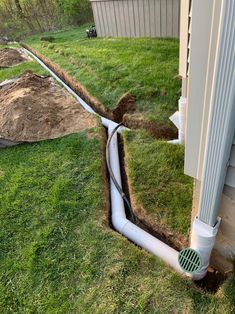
x: 35, y: 108
x: 10, y: 57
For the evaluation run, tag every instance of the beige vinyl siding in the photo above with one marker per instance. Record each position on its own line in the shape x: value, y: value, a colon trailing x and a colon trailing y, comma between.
x: 225, y: 241
x: 137, y: 18
x: 230, y: 177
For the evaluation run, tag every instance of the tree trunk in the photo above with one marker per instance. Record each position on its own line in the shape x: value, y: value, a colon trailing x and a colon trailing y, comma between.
x: 20, y: 12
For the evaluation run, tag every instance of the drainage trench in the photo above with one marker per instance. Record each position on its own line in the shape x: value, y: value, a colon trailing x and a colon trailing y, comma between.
x: 217, y: 280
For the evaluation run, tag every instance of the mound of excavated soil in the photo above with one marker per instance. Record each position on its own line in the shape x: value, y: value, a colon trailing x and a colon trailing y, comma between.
x: 10, y: 56
x: 35, y: 108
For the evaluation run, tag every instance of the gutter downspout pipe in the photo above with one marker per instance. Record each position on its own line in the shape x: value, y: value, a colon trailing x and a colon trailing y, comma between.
x: 203, y: 235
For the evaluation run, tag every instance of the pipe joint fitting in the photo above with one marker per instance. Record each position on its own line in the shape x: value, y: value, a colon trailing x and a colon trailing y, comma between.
x: 202, y: 241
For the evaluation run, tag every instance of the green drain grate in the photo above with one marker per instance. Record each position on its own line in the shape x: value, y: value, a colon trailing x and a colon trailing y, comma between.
x: 189, y: 260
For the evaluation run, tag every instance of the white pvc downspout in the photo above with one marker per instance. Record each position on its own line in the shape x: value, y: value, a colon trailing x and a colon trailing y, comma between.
x: 119, y: 220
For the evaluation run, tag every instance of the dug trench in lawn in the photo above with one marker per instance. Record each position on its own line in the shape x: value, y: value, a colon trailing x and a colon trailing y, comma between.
x: 124, y: 109
x: 111, y: 127
x: 23, y: 89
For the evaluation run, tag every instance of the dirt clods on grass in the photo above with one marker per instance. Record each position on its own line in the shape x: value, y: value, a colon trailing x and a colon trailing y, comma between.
x: 35, y: 108
x: 10, y: 57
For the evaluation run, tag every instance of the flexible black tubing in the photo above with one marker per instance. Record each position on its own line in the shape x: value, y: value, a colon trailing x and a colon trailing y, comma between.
x: 118, y: 187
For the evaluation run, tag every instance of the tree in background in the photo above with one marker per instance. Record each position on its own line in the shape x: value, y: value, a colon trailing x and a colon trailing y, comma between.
x: 75, y: 12
x: 22, y: 17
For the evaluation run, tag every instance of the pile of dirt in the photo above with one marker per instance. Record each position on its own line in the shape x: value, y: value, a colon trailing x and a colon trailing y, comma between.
x: 10, y: 57
x: 35, y: 108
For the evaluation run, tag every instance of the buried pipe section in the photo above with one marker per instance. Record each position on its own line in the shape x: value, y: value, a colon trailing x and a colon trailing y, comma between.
x: 192, y: 262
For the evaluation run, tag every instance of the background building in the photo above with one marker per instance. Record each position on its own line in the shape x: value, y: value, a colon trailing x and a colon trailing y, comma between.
x: 136, y: 18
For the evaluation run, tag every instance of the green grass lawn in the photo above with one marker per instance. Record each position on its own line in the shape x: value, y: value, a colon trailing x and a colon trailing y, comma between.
x: 110, y: 67
x: 58, y: 256
x: 57, y: 253
x: 165, y: 196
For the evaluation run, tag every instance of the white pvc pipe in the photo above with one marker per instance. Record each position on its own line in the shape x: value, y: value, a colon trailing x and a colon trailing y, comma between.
x: 184, y: 87
x: 119, y: 220
x: 179, y: 119
x: 202, y: 242
x: 127, y: 228
x: 104, y: 120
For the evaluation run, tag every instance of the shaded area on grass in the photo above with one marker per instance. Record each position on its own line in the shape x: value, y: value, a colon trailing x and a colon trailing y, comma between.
x: 159, y: 188
x: 57, y: 256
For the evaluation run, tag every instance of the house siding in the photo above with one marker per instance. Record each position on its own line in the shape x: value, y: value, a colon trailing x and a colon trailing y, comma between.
x: 225, y: 240
x: 230, y: 177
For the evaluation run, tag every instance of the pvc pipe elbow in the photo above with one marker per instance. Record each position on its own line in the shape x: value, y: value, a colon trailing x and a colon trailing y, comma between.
x: 119, y: 223
x: 110, y: 124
